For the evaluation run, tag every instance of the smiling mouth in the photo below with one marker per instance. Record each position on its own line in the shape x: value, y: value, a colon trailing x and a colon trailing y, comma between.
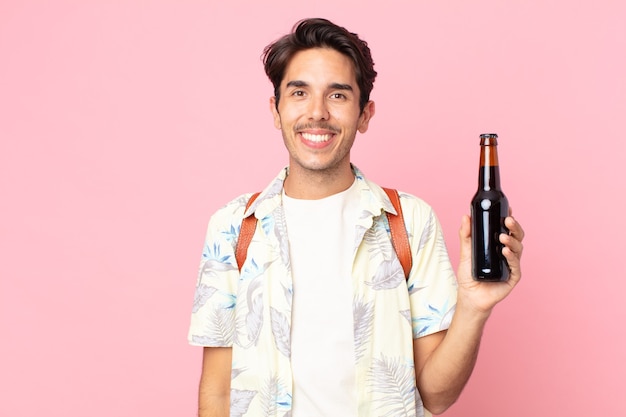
x: 317, y: 138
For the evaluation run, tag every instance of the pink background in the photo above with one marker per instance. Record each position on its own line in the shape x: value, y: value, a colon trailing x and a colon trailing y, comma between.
x: 125, y: 124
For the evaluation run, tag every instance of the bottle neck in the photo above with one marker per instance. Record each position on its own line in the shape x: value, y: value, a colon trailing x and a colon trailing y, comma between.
x: 489, y: 172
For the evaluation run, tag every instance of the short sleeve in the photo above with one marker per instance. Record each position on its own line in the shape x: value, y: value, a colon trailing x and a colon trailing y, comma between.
x: 213, y: 312
x: 432, y: 282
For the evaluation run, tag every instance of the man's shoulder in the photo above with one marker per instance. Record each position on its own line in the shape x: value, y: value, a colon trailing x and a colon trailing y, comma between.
x: 415, y: 208
x: 411, y: 200
x: 232, y: 211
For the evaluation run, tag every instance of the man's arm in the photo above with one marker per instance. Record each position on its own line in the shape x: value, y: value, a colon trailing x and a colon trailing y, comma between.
x: 214, y: 392
x: 444, y: 361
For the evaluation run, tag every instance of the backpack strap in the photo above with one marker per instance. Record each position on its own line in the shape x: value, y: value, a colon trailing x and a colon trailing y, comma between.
x: 248, y: 226
x: 399, y: 236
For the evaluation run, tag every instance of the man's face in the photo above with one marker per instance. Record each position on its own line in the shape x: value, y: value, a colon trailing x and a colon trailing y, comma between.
x: 318, y: 111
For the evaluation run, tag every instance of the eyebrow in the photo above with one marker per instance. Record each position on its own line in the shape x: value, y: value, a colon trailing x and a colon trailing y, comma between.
x: 334, y: 86
x: 297, y: 83
x: 339, y: 86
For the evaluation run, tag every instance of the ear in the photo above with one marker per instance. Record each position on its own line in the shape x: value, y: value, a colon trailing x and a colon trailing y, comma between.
x: 366, y: 116
x: 275, y: 113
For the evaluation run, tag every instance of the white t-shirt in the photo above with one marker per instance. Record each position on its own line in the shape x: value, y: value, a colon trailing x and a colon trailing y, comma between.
x: 321, y: 244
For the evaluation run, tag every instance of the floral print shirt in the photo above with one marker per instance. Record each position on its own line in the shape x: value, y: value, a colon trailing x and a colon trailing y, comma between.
x: 251, y: 311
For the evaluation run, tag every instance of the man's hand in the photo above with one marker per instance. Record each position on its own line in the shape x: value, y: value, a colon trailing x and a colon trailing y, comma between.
x: 483, y: 296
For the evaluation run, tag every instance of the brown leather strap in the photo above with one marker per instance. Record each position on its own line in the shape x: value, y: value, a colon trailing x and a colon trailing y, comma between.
x: 248, y: 226
x: 399, y: 237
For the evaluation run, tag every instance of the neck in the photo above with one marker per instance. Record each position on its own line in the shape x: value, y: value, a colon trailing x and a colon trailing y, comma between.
x: 314, y: 185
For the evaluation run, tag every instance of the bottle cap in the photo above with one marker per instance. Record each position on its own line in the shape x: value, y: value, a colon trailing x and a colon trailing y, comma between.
x: 488, y: 138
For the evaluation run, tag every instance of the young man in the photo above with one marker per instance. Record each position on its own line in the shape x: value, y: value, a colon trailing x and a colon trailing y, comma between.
x: 320, y: 321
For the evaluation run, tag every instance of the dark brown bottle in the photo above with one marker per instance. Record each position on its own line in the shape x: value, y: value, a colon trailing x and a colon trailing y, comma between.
x: 489, y: 209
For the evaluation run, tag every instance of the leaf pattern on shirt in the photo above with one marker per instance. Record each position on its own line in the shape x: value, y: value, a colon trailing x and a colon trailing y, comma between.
x: 436, y: 319
x: 378, y: 239
x: 363, y: 324
x: 415, y: 288
x: 234, y: 373
x: 288, y: 295
x: 219, y: 331
x: 268, y: 405
x: 369, y: 215
x: 240, y: 401
x: 393, y: 382
x: 210, y: 266
x: 202, y: 295
x: 280, y: 230
x: 275, y: 189
x: 365, y: 222
x: 359, y: 236
x: 407, y: 315
x: 442, y: 250
x: 241, y: 201
x: 388, y: 275
x: 271, y: 394
x: 254, y: 318
x: 447, y: 318
x: 281, y: 331
x: 252, y: 270
x: 427, y: 232
x: 267, y: 224
x: 222, y: 328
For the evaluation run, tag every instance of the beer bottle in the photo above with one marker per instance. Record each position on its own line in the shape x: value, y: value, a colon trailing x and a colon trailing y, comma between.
x: 489, y: 208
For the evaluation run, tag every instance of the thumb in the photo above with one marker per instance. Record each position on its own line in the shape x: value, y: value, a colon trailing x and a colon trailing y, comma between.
x: 465, y: 233
x: 464, y: 272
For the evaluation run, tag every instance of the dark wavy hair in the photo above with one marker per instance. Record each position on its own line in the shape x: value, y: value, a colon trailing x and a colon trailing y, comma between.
x: 320, y: 33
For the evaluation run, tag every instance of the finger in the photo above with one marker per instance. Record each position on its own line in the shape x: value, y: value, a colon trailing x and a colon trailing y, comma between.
x: 466, y: 228
x: 464, y: 270
x: 465, y: 237
x: 515, y: 229
x: 513, y: 260
x: 514, y: 245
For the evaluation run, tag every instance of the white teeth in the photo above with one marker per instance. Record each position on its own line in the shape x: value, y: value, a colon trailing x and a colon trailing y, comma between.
x: 316, y: 138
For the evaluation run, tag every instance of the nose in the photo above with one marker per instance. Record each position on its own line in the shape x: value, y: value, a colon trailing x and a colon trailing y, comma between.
x: 318, y: 109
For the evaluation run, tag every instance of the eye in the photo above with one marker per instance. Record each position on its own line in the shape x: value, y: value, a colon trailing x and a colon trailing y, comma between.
x: 298, y: 93
x: 338, y: 96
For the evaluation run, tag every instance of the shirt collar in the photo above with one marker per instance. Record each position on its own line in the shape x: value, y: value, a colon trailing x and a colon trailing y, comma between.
x: 374, y: 200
